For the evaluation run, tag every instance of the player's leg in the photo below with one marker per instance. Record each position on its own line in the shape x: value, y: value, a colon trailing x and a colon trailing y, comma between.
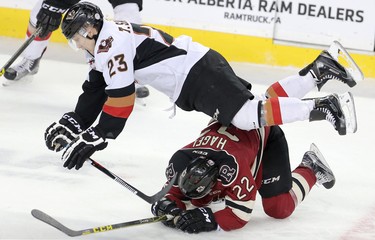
x: 315, y: 161
x: 313, y: 170
x: 339, y: 110
x: 276, y: 176
x: 334, y: 64
x: 127, y: 10
x: 31, y: 56
x: 212, y: 87
x: 325, y: 67
x: 282, y: 190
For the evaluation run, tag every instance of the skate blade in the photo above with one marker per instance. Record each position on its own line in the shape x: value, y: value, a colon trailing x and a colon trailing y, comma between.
x: 25, y: 80
x: 140, y: 101
x: 348, y: 108
x: 342, y: 56
x: 323, y: 163
x: 317, y: 152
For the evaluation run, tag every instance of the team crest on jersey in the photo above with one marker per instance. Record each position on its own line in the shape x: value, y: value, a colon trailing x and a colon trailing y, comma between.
x: 91, y: 63
x: 170, y: 172
x: 105, y: 45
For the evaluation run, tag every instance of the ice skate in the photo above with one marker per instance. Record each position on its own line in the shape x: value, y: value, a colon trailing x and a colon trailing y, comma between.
x: 314, y: 160
x: 334, y: 64
x: 339, y: 110
x: 21, y: 71
x: 141, y: 92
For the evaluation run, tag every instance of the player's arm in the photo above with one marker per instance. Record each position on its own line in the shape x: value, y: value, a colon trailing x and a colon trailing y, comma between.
x: 239, y: 203
x: 118, y: 74
x: 90, y: 102
x: 116, y: 110
x: 173, y: 202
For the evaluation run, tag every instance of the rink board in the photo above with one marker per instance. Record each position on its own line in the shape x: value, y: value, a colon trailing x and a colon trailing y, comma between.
x: 234, y: 47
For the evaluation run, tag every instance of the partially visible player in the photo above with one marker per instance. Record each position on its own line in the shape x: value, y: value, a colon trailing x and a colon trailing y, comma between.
x: 229, y: 165
x: 48, y: 14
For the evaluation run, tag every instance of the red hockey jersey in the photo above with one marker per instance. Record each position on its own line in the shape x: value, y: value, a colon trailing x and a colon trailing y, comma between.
x: 238, y: 154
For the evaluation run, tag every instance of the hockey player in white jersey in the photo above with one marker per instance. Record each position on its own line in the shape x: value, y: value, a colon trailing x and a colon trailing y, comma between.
x: 47, y: 14
x: 193, y: 76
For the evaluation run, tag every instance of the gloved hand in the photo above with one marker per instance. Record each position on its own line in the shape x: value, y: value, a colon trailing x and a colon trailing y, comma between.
x: 81, y: 148
x: 49, y: 16
x: 197, y: 220
x: 60, y: 134
x: 166, y: 207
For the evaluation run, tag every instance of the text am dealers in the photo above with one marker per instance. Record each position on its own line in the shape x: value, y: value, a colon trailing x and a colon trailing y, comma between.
x: 311, y: 10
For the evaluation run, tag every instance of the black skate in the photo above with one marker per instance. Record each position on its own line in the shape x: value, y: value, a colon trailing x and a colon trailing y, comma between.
x: 339, y: 110
x: 327, y: 67
x: 314, y: 160
x: 141, y: 92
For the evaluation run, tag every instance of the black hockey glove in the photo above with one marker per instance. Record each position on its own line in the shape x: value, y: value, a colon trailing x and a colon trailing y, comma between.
x: 49, y: 16
x: 60, y: 134
x: 197, y: 220
x: 166, y: 207
x: 81, y: 148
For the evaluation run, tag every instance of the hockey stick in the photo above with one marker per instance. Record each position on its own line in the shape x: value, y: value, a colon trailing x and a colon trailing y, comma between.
x: 19, y: 51
x: 150, y: 199
x: 74, y: 233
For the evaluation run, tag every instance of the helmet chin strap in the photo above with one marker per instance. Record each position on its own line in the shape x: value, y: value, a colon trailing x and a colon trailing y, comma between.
x: 95, y: 37
x: 98, y: 29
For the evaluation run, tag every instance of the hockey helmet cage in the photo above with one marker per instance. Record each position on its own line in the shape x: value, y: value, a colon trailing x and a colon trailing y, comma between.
x: 80, y: 14
x: 197, y: 179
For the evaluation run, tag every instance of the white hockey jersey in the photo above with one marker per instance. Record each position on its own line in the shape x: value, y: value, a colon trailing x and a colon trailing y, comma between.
x: 126, y: 52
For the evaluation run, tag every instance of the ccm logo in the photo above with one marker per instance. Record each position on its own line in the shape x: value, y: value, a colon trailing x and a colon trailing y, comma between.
x: 52, y: 9
x: 271, y: 180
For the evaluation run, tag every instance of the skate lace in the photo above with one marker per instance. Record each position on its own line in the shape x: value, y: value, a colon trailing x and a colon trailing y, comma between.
x: 331, y: 77
x: 25, y: 64
x: 322, y: 173
x: 329, y: 116
x: 323, y: 178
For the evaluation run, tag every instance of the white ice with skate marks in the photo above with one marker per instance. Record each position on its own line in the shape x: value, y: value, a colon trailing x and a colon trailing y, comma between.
x: 33, y: 177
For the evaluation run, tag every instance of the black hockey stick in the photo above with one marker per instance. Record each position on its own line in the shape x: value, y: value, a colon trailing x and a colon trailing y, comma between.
x: 19, y: 51
x: 150, y: 199
x: 74, y: 233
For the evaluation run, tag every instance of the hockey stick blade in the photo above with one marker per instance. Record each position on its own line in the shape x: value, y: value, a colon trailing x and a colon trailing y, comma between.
x: 150, y: 199
x: 74, y: 233
x: 19, y: 51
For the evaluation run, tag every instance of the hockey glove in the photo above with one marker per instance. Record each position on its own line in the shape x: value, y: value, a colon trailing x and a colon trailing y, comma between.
x: 81, y: 148
x: 197, y: 220
x: 166, y: 207
x: 49, y: 16
x: 60, y: 134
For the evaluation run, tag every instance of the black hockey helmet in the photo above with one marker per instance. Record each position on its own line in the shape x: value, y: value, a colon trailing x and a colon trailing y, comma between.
x: 80, y: 14
x: 198, y: 177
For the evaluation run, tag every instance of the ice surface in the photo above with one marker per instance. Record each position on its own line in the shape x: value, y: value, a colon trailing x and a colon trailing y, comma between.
x: 31, y: 176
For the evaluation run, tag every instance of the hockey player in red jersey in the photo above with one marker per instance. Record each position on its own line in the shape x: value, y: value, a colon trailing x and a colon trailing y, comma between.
x: 231, y: 165
x: 193, y: 76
